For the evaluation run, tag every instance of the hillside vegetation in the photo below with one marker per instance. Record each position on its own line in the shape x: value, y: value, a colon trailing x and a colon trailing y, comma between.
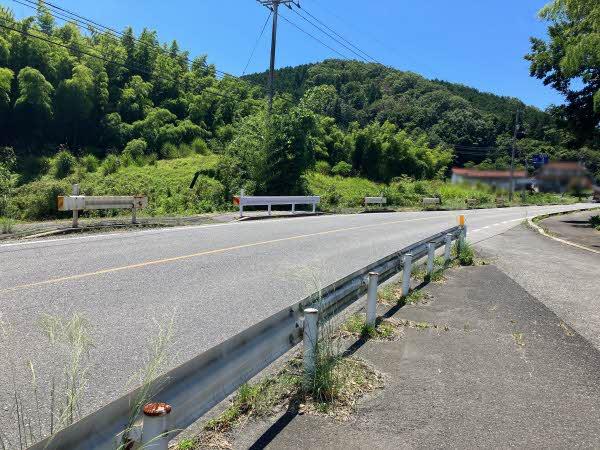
x: 130, y: 115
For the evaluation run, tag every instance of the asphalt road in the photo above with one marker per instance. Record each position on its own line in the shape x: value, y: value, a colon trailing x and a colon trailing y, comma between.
x: 213, y: 280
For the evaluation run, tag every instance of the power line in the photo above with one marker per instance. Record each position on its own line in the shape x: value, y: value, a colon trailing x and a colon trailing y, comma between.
x: 82, y: 20
x: 337, y: 34
x: 257, y: 41
x: 315, y: 38
x: 329, y: 35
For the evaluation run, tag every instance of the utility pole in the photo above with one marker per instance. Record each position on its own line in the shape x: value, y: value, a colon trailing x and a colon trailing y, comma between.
x: 512, y: 159
x: 273, y: 5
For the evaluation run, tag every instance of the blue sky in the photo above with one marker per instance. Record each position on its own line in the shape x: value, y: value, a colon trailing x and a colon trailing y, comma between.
x: 478, y: 43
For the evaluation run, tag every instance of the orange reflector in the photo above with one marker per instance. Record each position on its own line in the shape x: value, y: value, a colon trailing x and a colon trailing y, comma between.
x: 236, y: 200
x: 61, y: 202
x: 461, y: 220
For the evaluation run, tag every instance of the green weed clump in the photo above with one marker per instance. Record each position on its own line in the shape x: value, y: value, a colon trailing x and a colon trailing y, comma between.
x: 595, y: 222
x: 464, y: 253
x: 6, y: 225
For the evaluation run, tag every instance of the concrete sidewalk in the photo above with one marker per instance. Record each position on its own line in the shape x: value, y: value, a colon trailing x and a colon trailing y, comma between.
x: 575, y: 228
x: 564, y: 278
x: 506, y: 373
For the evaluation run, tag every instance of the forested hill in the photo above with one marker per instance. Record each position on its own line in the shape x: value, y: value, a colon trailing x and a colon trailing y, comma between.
x: 448, y: 112
x: 78, y: 104
x: 479, y: 126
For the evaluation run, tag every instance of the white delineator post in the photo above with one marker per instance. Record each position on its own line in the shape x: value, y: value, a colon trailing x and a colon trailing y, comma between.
x: 372, y: 298
x: 406, y: 272
x: 430, y: 257
x: 448, y: 249
x: 311, y: 337
x: 241, y: 204
x: 155, y: 430
x: 75, y: 211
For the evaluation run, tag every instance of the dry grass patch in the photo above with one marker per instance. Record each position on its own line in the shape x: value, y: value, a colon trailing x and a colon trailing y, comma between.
x: 337, y: 386
x: 355, y: 326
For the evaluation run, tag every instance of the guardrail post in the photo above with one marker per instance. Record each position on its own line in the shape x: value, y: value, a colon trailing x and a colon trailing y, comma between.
x: 406, y: 272
x: 241, y: 203
x: 269, y: 208
x: 462, y: 233
x: 75, y: 211
x: 133, y: 216
x: 311, y: 337
x: 155, y: 432
x: 314, y: 207
x: 293, y: 208
x: 448, y: 249
x: 430, y: 257
x: 372, y: 298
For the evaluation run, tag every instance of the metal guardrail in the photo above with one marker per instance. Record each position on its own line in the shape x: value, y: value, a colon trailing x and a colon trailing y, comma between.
x: 431, y: 201
x: 269, y: 201
x: 195, y: 387
x: 78, y: 203
x: 375, y: 201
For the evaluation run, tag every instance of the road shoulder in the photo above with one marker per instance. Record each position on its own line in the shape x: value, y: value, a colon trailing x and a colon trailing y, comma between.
x: 574, y: 228
x: 496, y: 370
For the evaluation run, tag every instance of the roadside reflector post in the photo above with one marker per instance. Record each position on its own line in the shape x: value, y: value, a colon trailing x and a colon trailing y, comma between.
x: 448, y: 249
x: 430, y: 257
x: 241, y: 203
x: 311, y: 338
x: 75, y: 211
x: 155, y: 431
x: 372, y: 298
x: 406, y: 272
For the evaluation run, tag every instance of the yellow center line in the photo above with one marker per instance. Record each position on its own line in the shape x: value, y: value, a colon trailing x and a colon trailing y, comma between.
x: 207, y: 252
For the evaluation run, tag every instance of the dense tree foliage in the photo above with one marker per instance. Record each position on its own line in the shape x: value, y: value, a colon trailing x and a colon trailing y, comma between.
x: 74, y: 102
x: 448, y: 115
x: 569, y: 61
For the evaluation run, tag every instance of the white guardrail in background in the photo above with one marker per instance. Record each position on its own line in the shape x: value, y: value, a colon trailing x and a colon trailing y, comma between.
x: 431, y: 201
x: 193, y: 388
x: 78, y: 203
x: 375, y: 201
x: 243, y: 200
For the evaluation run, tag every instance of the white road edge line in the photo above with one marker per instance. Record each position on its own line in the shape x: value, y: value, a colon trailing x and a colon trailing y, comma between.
x: 195, y: 227
x: 562, y: 241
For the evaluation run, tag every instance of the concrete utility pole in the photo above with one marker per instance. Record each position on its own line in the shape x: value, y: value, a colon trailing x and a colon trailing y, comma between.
x: 273, y: 5
x: 512, y: 159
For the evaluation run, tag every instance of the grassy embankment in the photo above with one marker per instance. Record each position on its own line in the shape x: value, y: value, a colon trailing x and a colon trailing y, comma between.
x: 166, y: 182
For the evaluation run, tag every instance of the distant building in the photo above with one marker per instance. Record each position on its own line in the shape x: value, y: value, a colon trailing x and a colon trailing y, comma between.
x: 500, y: 179
x: 562, y: 176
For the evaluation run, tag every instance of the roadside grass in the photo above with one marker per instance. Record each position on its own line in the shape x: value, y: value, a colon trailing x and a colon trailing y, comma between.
x: 158, y: 355
x: 340, y: 193
x: 6, y: 225
x: 356, y: 326
x: 166, y: 182
x: 50, y: 403
x: 338, y: 383
x: 464, y: 254
x: 391, y: 294
x: 595, y: 222
x: 34, y: 414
